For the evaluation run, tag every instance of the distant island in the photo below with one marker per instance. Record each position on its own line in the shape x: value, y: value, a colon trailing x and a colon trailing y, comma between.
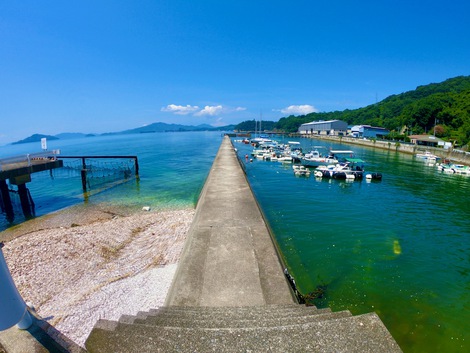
x: 35, y: 138
x: 151, y: 128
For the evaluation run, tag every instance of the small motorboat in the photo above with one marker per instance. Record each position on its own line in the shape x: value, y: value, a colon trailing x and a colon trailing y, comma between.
x: 300, y: 170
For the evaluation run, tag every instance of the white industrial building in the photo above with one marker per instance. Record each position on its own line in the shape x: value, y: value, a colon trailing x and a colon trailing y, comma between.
x: 329, y: 127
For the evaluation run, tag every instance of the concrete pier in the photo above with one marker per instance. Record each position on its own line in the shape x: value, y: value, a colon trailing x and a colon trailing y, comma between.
x: 230, y: 293
x: 229, y: 257
x: 18, y: 170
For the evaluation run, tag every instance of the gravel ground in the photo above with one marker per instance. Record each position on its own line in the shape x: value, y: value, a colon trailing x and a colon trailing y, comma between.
x: 85, y: 264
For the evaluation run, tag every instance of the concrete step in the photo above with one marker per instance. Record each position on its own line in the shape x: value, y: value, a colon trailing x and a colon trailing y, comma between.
x: 234, y: 311
x: 230, y: 313
x: 222, y: 322
x: 223, y: 309
x: 363, y: 333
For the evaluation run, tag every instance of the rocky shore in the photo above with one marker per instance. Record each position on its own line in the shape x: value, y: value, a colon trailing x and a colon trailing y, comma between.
x: 85, y: 263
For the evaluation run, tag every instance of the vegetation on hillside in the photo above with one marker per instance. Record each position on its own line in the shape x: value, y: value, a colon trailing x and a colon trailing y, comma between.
x: 253, y: 125
x: 441, y: 107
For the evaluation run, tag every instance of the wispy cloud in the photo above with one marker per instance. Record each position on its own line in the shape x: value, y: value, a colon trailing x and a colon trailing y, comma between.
x: 299, y: 109
x: 180, y: 109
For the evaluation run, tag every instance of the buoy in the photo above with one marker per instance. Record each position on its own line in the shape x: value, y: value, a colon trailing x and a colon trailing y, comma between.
x: 396, y: 247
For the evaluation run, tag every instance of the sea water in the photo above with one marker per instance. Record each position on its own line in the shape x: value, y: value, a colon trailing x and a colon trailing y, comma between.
x: 399, y: 247
x: 172, y: 171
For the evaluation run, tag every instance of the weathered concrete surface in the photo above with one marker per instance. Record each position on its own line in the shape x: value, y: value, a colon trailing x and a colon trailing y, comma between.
x: 39, y: 338
x: 271, y: 328
x: 229, y: 257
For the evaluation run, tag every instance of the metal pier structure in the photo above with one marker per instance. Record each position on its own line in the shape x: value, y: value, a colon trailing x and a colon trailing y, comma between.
x: 18, y: 171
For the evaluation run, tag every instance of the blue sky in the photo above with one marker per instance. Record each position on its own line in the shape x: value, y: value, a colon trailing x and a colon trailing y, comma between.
x: 101, y: 66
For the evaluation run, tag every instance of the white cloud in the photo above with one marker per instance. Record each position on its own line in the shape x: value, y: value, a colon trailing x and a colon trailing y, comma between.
x: 180, y: 109
x: 299, y: 109
x: 210, y: 110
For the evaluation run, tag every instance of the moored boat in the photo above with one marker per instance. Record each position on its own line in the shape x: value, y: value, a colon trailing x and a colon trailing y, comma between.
x: 452, y: 168
x: 315, y: 159
x: 428, y: 157
x: 300, y: 170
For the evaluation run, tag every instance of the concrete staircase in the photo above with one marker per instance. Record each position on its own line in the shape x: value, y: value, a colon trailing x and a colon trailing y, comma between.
x: 271, y: 328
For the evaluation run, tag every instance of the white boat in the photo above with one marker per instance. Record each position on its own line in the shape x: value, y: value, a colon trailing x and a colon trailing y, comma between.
x: 428, y: 157
x: 315, y: 159
x: 451, y: 168
x: 345, y: 171
x: 300, y: 170
x: 335, y: 171
x: 461, y: 169
x: 284, y: 159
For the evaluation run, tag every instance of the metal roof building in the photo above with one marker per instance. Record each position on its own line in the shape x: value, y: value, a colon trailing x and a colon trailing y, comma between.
x: 368, y: 131
x: 329, y: 127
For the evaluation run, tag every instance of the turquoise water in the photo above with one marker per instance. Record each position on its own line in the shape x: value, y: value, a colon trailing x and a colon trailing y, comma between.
x: 399, y: 247
x: 173, y: 168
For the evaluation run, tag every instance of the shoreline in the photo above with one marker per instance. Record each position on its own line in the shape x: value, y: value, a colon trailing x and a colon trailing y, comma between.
x: 82, y: 264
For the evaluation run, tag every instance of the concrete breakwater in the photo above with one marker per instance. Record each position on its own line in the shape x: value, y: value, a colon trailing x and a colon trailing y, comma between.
x: 229, y: 293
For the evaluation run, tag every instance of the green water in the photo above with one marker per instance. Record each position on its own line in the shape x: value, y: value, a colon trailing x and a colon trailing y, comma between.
x: 399, y: 247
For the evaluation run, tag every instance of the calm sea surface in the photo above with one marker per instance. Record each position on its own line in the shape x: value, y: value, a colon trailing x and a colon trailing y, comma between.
x: 399, y: 247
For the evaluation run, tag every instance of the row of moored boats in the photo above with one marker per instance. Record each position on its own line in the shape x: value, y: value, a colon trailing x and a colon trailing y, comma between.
x: 444, y: 166
x: 337, y: 164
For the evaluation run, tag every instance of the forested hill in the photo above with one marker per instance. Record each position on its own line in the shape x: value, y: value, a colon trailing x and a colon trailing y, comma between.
x: 445, y: 104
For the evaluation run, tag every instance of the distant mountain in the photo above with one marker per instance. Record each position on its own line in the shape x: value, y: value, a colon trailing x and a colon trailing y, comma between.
x: 155, y: 127
x: 35, y: 138
x: 161, y: 127
x: 164, y: 127
x: 72, y: 135
x: 222, y: 128
x: 205, y: 126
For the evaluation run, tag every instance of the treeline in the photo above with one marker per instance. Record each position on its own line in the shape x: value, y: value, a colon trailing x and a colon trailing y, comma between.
x: 253, y: 125
x: 441, y: 107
